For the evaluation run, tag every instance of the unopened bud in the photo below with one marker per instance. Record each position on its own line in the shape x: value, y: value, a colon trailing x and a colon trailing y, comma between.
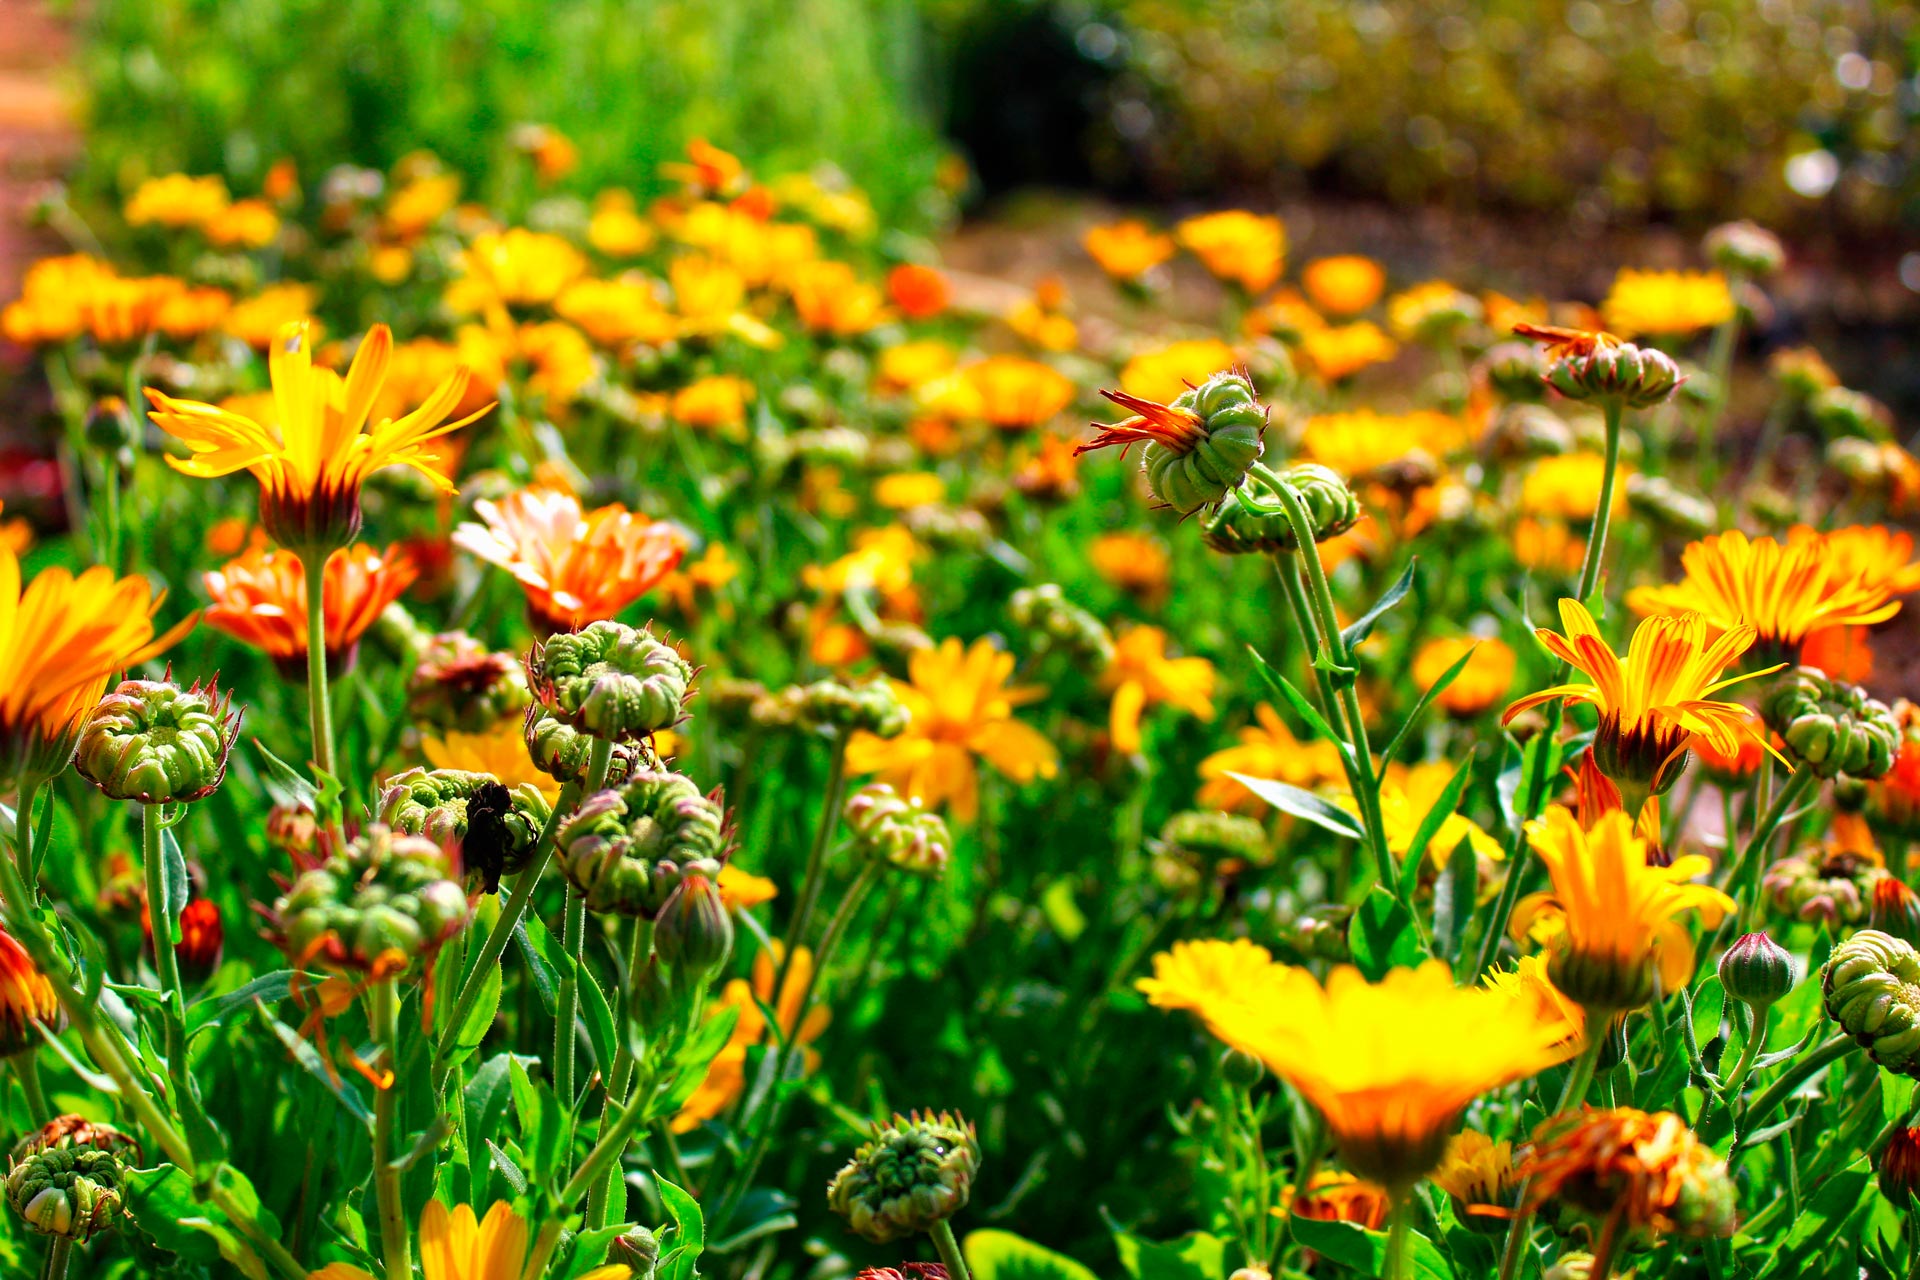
x: 1756, y: 971
x: 609, y: 680
x: 154, y: 742
x: 694, y: 933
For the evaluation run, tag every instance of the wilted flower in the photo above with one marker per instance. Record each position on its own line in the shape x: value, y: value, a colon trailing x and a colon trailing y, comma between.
x: 1650, y: 1169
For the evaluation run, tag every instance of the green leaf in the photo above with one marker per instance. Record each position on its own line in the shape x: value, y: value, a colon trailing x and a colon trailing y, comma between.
x: 1382, y: 935
x: 1303, y: 805
x: 1197, y: 1256
x: 1002, y: 1255
x: 1419, y: 708
x: 1363, y: 626
x: 1825, y: 1221
x: 1057, y: 904
x: 689, y: 1234
x: 1365, y: 1252
x: 160, y: 1200
x: 309, y: 1057
x: 487, y: 1096
x: 267, y: 989
x: 1709, y: 1002
x: 1801, y: 1008
x: 1298, y: 701
x: 599, y: 1018
x: 469, y: 1034
x: 1453, y: 900
x: 286, y: 784
x: 174, y: 887
x: 1443, y: 807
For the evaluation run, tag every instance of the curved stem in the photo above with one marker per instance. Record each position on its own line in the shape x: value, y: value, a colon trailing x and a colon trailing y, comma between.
x: 566, y: 1022
x: 26, y: 1069
x: 1746, y: 871
x: 1595, y: 557
x: 810, y: 883
x: 319, y: 708
x: 165, y: 926
x: 949, y: 1250
x: 395, y: 1244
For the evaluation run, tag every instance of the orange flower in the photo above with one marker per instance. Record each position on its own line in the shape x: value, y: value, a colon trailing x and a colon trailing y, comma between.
x: 26, y: 997
x: 717, y: 403
x: 247, y: 224
x: 1162, y: 374
x: 1344, y: 285
x: 1141, y: 674
x: 1340, y: 352
x: 615, y: 313
x: 1237, y: 246
x: 575, y: 567
x: 1266, y: 750
x: 261, y: 598
x: 831, y: 299
x: 1127, y: 250
x: 1015, y: 394
x: 177, y: 200
x: 521, y: 267
x: 708, y: 169
x: 726, y: 1076
x: 920, y: 292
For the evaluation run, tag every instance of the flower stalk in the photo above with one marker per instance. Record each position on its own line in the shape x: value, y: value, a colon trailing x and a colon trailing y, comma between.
x: 166, y: 961
x: 396, y: 1238
x: 319, y: 705
x: 567, y: 1015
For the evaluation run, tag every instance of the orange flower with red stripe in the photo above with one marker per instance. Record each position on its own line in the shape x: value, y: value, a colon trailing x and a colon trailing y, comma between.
x: 261, y: 599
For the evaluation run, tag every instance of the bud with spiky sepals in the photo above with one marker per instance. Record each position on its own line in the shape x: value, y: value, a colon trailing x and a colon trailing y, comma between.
x: 1830, y: 725
x: 694, y: 932
x: 564, y: 753
x: 1895, y: 910
x: 1835, y: 887
x: 26, y: 998
x: 628, y: 848
x: 637, y: 1250
x: 1667, y: 504
x: 1589, y: 365
x: 610, y: 680
x: 1756, y: 971
x: 496, y: 828
x: 1213, y: 837
x: 154, y: 742
x: 1744, y: 248
x: 70, y: 1130
x: 1872, y: 989
x: 461, y: 686
x: 1055, y: 622
x: 915, y: 1173
x: 897, y: 830
x: 1237, y: 529
x: 71, y: 1192
x: 383, y: 895
x: 1323, y: 932
x: 1198, y: 447
x: 1898, y: 1164
x: 1843, y: 413
x: 871, y: 706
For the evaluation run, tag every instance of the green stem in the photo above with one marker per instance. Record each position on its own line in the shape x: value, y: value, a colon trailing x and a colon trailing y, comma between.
x: 1720, y: 368
x: 166, y: 960
x: 566, y: 1033
x: 26, y: 1069
x: 1301, y: 611
x: 23, y: 833
x: 1571, y: 1096
x: 1399, y: 1224
x: 1747, y: 869
x: 811, y: 881
x: 1608, y: 1243
x: 949, y: 1250
x: 319, y: 708
x: 1304, y: 1171
x: 57, y: 1255
x: 1595, y: 557
x: 620, y: 1077
x: 1729, y: 1093
x: 1823, y: 1055
x: 276, y: 1253
x: 395, y: 1243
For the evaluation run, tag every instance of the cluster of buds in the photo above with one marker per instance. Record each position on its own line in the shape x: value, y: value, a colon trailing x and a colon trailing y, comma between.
x: 565, y: 754
x: 154, y: 742
x: 1872, y: 989
x: 1834, y: 886
x: 495, y: 828
x: 1514, y: 370
x: 1054, y: 622
x: 1744, y: 248
x: 870, y: 706
x: 1238, y: 529
x: 610, y: 681
x: 627, y: 849
x: 384, y: 895
x: 1831, y: 726
x: 461, y: 686
x: 693, y: 934
x: 1587, y: 365
x: 914, y: 1173
x: 1197, y: 448
x: 67, y: 1191
x: 897, y: 830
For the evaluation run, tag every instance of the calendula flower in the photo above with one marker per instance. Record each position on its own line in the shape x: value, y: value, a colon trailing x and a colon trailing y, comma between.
x: 1669, y: 304
x: 1361, y: 442
x: 709, y: 574
x: 1338, y: 1196
x: 1653, y: 703
x: 1051, y: 472
x: 312, y: 460
x: 1480, y: 684
x: 726, y: 1077
x: 177, y: 200
x: 192, y: 312
x: 1431, y: 312
x: 1344, y: 285
x: 717, y: 403
x: 1243, y: 248
x: 1128, y: 249
x: 1267, y: 749
x: 741, y: 890
x: 1567, y: 487
x: 60, y: 640
x: 1612, y: 921
x: 1528, y: 983
x: 1014, y: 393
x: 1164, y: 372
x: 1479, y: 1175
x: 260, y: 599
x: 260, y: 321
x: 245, y: 224
x: 905, y: 490
x: 1407, y: 794
x: 616, y: 227
x: 1136, y: 563
x: 48, y: 308
x: 881, y: 561
x: 830, y: 298
x: 1363, y: 1054
x: 500, y: 751
x: 1778, y: 591
x: 1337, y: 352
x: 907, y: 366
x: 1042, y: 317
x: 920, y: 292
x: 455, y: 1245
x: 576, y: 567
x: 1141, y: 675
x: 708, y: 169
x: 962, y: 710
x: 1641, y: 1170
x: 615, y: 313
x: 26, y: 997
x: 1872, y: 552
x: 1192, y: 973
x: 553, y: 153
x: 521, y: 267
x: 414, y: 206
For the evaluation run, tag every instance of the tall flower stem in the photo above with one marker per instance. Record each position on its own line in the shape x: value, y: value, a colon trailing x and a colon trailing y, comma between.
x: 1399, y: 1226
x: 1572, y: 1095
x: 1745, y: 873
x: 573, y: 937
x: 810, y: 882
x: 620, y: 1077
x: 949, y: 1250
x: 1595, y: 558
x: 26, y: 1069
x: 1826, y: 1053
x: 395, y: 1244
x: 1720, y: 369
x: 166, y: 961
x: 319, y: 707
x: 57, y: 1255
x: 23, y: 830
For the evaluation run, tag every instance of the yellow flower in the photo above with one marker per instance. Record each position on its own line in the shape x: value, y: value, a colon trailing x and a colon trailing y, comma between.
x: 617, y: 312
x: 961, y: 708
x: 881, y: 561
x: 831, y: 299
x: 905, y: 490
x: 1364, y: 441
x: 1340, y: 351
x: 907, y: 366
x: 706, y: 292
x: 1406, y: 795
x: 500, y: 751
x: 1528, y: 984
x: 1344, y: 285
x: 718, y: 403
x: 1237, y: 246
x: 455, y: 1245
x: 1666, y: 303
x: 1654, y: 702
x: 1430, y: 311
x: 1567, y: 487
x: 1141, y: 674
x: 1480, y: 684
x: 1192, y: 973
x: 1163, y: 373
x: 1014, y: 393
x: 177, y: 200
x: 249, y: 224
x: 1779, y: 592
x: 522, y: 267
x: 616, y: 227
x: 1133, y: 562
x: 1364, y: 1053
x: 713, y: 570
x: 417, y: 205
x: 1127, y: 250
x: 192, y: 312
x: 1266, y: 750
x: 260, y: 320
x: 1479, y: 1174
x: 313, y: 460
x: 726, y: 1077
x: 26, y: 997
x: 1871, y: 552
x: 741, y: 890
x: 1611, y: 920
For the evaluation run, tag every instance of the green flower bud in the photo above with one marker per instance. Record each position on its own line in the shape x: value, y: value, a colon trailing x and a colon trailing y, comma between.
x: 637, y: 1250
x: 385, y: 895
x: 1524, y: 431
x: 1835, y: 889
x: 628, y: 848
x: 1517, y: 371
x: 1864, y: 462
x: 694, y: 933
x: 1639, y: 377
x: 1241, y: 1069
x: 915, y: 1172
x: 610, y: 681
x: 1054, y: 622
x: 154, y: 742
x: 895, y: 829
x: 1756, y: 971
x: 1744, y: 248
x: 67, y: 1191
x: 949, y: 528
x: 1601, y: 982
x: 872, y: 706
x: 1666, y: 503
x: 1211, y: 837
x: 1839, y: 412
x: 1872, y: 989
x: 1322, y: 933
x: 461, y: 686
x: 1198, y: 447
x: 1235, y: 529
x: 564, y: 753
x: 1830, y: 725
x: 110, y: 428
x: 495, y: 828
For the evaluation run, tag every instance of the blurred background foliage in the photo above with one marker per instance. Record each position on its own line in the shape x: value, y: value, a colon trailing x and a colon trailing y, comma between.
x: 1793, y: 111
